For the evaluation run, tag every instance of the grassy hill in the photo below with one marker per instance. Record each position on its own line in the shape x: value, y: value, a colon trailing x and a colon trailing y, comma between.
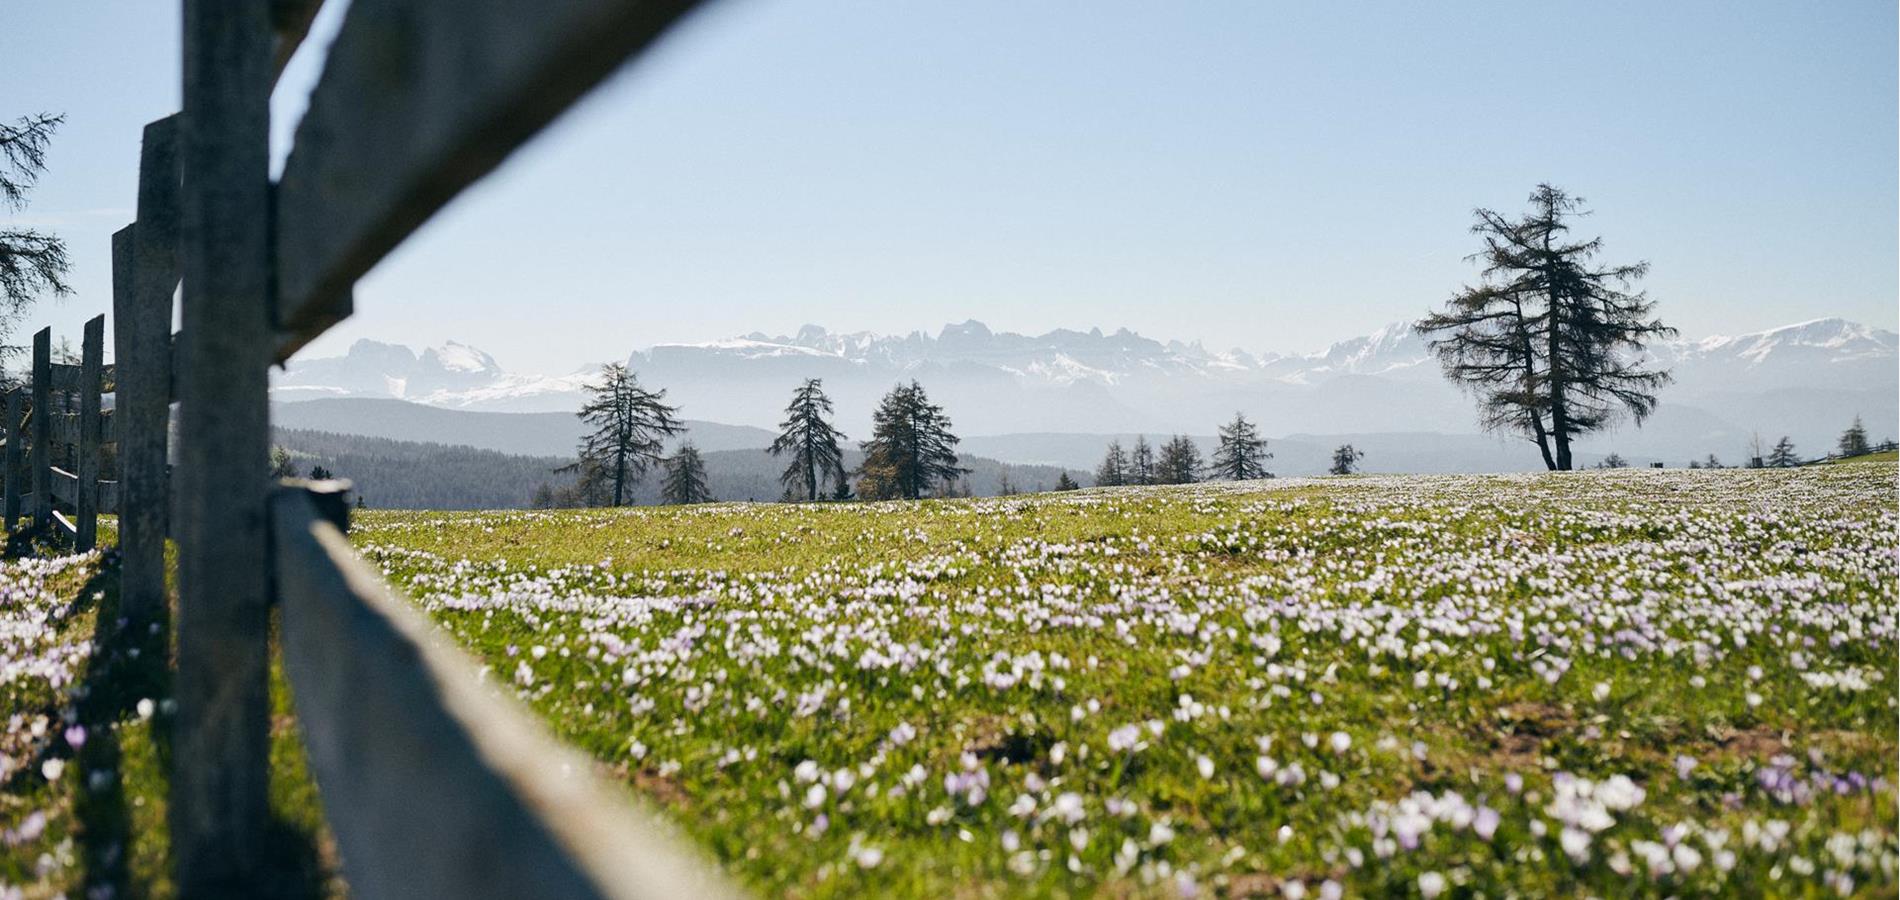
x: 1600, y: 683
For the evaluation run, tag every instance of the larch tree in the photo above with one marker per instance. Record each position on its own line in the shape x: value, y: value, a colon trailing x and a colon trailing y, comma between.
x: 1854, y: 440
x: 911, y: 449
x: 685, y: 480
x: 1346, y: 459
x: 631, y: 425
x: 1242, y: 454
x: 32, y: 262
x: 1549, y: 341
x: 1783, y: 456
x: 1141, y: 462
x: 1113, y: 472
x: 1180, y: 461
x: 807, y: 434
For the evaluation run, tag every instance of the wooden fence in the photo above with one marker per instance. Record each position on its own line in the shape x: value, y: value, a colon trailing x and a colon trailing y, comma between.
x: 433, y: 784
x: 58, y: 481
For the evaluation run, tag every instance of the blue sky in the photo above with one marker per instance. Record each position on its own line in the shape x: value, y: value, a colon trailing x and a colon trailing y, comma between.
x: 1269, y: 175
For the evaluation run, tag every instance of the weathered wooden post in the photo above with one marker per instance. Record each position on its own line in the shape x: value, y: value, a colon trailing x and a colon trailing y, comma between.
x: 43, y: 429
x: 142, y: 325
x: 86, y: 466
x: 220, y: 745
x: 14, y: 409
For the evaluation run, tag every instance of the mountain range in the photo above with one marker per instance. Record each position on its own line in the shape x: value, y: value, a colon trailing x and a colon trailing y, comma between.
x: 1805, y: 380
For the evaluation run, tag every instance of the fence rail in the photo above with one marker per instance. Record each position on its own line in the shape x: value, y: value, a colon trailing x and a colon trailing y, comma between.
x: 433, y: 783
x: 66, y: 452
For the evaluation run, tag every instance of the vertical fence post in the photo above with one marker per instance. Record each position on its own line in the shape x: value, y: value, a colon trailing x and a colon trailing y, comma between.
x: 86, y: 465
x: 42, y: 428
x: 14, y: 411
x: 142, y: 348
x: 220, y: 745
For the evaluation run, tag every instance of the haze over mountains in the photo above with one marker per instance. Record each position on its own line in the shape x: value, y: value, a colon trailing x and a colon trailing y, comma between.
x: 1053, y: 398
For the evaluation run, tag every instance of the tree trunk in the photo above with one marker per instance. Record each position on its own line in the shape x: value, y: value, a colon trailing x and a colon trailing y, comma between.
x: 620, y: 476
x: 1559, y: 414
x: 811, y: 467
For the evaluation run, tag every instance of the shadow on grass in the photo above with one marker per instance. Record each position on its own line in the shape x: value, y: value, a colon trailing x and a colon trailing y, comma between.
x: 126, y: 759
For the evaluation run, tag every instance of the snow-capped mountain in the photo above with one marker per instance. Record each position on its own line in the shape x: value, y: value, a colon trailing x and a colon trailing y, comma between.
x: 1805, y: 380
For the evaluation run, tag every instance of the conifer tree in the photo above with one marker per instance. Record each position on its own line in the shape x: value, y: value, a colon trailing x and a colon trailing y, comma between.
x: 911, y: 450
x: 32, y: 262
x: 1346, y: 459
x: 685, y: 477
x: 1180, y: 461
x: 1783, y: 456
x: 1113, y: 472
x: 630, y: 424
x: 1065, y: 483
x: 319, y: 473
x: 808, y: 436
x: 1141, y: 462
x: 1854, y: 440
x: 1550, y: 342
x: 281, y: 463
x: 1242, y: 454
x: 1711, y: 462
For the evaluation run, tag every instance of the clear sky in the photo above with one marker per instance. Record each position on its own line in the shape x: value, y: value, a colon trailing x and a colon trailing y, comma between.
x: 1269, y: 175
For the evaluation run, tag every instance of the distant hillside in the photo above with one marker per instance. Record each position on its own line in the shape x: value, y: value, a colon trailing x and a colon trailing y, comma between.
x: 393, y: 474
x: 530, y: 434
x: 1312, y: 454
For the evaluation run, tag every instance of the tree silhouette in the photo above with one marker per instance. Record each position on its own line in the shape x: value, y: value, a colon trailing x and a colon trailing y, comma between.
x: 685, y: 477
x: 1346, y: 459
x: 1180, y: 461
x: 1854, y: 439
x: 1549, y: 341
x: 1113, y: 472
x: 1242, y: 454
x: 1141, y: 462
x: 630, y: 424
x: 808, y: 436
x: 911, y: 449
x: 31, y: 262
x: 1783, y: 456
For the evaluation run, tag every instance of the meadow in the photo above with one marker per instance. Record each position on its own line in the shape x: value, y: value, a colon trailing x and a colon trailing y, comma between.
x: 1612, y: 683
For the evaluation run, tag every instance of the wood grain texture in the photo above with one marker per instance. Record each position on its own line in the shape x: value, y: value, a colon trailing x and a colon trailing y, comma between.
x: 92, y: 360
x: 142, y: 350
x: 42, y: 440
x: 15, y: 483
x: 220, y: 736
x: 434, y: 784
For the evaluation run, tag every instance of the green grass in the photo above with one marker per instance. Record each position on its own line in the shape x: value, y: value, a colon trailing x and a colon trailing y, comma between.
x: 1885, y: 456
x: 1655, y: 681
x: 1635, y: 682
x: 97, y: 826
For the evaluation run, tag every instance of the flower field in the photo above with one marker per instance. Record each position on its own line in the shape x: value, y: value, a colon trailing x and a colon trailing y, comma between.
x: 1661, y: 682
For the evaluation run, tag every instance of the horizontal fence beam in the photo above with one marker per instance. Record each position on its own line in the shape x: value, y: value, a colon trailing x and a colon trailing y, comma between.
x: 419, y: 99
x: 434, y: 785
x: 65, y: 485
